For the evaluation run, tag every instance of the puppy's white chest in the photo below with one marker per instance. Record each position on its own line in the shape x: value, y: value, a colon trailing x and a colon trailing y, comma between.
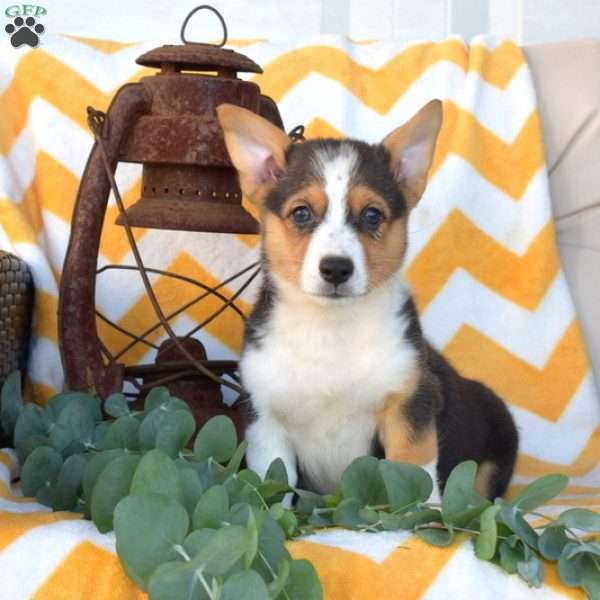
x: 323, y: 375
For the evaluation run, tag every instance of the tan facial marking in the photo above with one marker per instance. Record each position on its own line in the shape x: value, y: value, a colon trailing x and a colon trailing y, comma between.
x: 384, y: 254
x: 361, y: 197
x: 385, y: 250
x: 483, y: 478
x: 285, y: 246
x: 312, y: 196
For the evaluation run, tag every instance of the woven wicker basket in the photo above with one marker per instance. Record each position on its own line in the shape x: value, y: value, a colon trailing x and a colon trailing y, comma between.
x: 16, y: 301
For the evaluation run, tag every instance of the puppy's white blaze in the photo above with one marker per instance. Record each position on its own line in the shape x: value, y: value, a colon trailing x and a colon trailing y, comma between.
x: 333, y: 236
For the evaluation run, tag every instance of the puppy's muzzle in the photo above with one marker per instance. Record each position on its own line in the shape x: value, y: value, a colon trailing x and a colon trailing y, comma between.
x: 336, y: 269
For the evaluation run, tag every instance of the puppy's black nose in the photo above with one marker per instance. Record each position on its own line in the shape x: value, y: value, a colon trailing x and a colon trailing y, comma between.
x: 336, y: 269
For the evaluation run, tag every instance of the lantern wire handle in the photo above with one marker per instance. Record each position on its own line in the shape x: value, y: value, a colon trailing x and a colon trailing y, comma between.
x: 193, y: 12
x: 297, y: 134
x: 97, y: 121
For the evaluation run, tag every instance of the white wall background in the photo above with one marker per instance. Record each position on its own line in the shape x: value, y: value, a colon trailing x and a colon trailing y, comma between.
x: 525, y: 21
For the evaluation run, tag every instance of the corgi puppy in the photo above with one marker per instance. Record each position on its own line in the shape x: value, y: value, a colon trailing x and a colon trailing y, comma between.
x: 334, y: 357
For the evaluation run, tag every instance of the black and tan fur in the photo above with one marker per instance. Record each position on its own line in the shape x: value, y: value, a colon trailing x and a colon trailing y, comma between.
x: 334, y: 357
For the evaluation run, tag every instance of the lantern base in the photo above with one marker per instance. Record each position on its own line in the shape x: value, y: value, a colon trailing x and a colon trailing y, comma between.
x: 189, y: 214
x: 202, y: 394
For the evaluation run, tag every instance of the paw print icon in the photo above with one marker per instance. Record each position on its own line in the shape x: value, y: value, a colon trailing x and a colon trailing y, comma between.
x: 24, y: 31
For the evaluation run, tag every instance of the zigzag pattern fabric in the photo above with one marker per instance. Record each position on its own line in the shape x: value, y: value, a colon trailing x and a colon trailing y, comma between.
x: 482, y: 262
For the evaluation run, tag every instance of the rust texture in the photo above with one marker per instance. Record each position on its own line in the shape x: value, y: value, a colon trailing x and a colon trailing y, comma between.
x: 166, y: 122
x: 198, y: 57
x: 79, y: 348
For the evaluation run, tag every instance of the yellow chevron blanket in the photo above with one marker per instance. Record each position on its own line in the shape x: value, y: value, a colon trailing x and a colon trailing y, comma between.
x: 482, y: 261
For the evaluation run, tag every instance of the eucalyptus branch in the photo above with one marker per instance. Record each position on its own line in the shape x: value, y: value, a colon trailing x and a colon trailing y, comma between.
x: 136, y: 474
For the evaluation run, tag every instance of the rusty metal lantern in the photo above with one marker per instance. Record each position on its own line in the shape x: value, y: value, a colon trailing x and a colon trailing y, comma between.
x: 166, y: 122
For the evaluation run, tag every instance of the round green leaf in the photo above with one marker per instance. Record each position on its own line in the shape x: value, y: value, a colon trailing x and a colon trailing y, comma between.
x: 197, y: 540
x: 58, y: 403
x: 235, y: 461
x: 419, y: 517
x: 514, y: 520
x: 277, y: 585
x: 92, y: 471
x: 252, y: 540
x: 175, y: 432
x: 458, y: 492
x: 76, y: 423
x: 157, y: 474
x: 148, y: 528
x: 41, y: 469
x: 240, y: 492
x: 11, y: 402
x: 30, y: 444
x: 116, y: 405
x: 69, y: 483
x: 45, y: 495
x: 587, y: 547
x: 485, y: 544
x: 112, y: 484
x: 248, y: 585
x: 346, y: 514
x: 531, y: 570
x: 362, y: 481
x: 405, y: 483
x: 540, y: 491
x: 100, y: 434
x: 370, y: 516
x: 277, y: 472
x: 249, y: 476
x: 552, y: 541
x: 222, y: 551
x: 288, y: 522
x: 511, y: 555
x: 273, y: 489
x: 122, y: 433
x: 156, y: 397
x: 191, y: 487
x: 591, y: 585
x: 271, y: 548
x: 212, y: 508
x: 435, y: 536
x: 581, y: 518
x: 303, y: 582
x: 277, y: 511
x: 30, y: 422
x: 150, y: 427
x: 573, y: 571
x: 217, y: 438
x: 175, y: 581
x: 308, y: 501
x: 388, y: 521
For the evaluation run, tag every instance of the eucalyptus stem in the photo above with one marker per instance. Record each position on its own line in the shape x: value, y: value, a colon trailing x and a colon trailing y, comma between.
x: 272, y: 571
x: 200, y: 575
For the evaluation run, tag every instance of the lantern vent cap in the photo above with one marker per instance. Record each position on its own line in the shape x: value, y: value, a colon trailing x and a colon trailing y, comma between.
x: 198, y: 57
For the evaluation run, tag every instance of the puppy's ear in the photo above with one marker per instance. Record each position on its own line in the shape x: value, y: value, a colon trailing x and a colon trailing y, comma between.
x: 256, y: 147
x: 411, y: 149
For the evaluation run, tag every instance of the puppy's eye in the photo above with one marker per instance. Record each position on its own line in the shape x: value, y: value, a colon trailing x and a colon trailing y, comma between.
x: 302, y: 215
x: 371, y: 218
